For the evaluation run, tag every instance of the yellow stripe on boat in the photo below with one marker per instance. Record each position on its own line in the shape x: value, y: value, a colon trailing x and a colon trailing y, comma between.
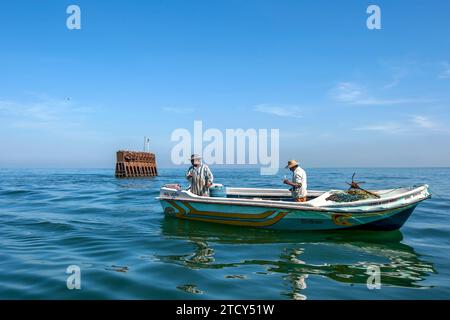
x: 265, y: 223
x: 182, y: 214
x: 263, y: 215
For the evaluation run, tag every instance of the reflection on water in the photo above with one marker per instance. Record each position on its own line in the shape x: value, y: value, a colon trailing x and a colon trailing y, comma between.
x: 340, y: 256
x: 115, y: 231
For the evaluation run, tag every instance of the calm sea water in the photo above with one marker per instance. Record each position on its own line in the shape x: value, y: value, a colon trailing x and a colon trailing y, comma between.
x: 114, y: 230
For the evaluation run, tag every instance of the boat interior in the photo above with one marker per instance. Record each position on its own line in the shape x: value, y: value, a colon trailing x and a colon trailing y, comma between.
x: 266, y: 194
x: 314, y: 197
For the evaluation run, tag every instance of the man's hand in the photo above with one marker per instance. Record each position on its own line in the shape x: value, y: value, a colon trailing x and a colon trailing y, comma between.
x: 189, y: 176
x: 292, y: 184
x: 208, y: 185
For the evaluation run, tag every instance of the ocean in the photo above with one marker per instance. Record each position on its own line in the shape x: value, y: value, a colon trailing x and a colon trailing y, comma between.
x: 114, y: 231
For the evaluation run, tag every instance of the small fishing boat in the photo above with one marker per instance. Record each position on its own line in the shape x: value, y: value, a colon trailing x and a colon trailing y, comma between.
x: 273, y: 208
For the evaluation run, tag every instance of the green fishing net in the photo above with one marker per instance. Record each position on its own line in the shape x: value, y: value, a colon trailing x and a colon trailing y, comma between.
x: 349, y: 196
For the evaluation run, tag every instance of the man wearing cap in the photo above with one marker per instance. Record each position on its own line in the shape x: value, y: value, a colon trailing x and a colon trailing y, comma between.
x: 200, y: 177
x: 298, y: 182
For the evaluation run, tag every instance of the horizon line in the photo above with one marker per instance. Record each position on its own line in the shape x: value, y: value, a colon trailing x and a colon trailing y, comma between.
x: 231, y: 168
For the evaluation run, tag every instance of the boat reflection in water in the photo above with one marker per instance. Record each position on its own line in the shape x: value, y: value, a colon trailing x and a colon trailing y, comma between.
x: 343, y: 257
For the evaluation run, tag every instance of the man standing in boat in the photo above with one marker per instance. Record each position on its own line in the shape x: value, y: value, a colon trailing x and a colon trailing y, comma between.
x: 298, y: 182
x: 200, y: 177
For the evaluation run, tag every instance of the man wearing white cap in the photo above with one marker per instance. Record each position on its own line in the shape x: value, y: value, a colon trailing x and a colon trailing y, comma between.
x: 200, y: 177
x: 298, y: 182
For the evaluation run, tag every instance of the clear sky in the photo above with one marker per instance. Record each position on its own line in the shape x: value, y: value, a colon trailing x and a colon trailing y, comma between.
x: 341, y: 94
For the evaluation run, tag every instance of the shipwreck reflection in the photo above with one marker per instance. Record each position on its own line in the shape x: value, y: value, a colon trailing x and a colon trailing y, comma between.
x: 341, y: 256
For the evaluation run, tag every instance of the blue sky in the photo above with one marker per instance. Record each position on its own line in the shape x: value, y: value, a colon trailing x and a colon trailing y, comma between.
x: 341, y: 95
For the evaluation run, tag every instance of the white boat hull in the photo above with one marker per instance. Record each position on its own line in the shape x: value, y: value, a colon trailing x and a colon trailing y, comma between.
x: 271, y: 208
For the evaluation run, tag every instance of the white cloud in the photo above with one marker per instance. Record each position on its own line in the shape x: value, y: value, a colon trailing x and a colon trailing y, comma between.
x: 391, y: 128
x: 279, y: 110
x: 415, y: 124
x: 347, y: 92
x: 178, y: 110
x: 354, y: 94
x: 423, y: 122
x: 42, y: 112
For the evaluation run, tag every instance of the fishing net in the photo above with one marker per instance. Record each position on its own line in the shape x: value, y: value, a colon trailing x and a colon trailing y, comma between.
x: 349, y: 196
x: 355, y: 193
